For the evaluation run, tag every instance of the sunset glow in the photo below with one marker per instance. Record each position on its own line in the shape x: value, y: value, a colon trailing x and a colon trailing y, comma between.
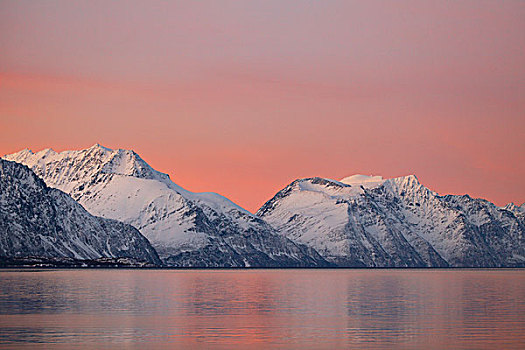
x: 241, y: 98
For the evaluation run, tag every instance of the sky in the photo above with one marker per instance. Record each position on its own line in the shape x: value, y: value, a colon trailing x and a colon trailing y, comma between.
x: 243, y: 97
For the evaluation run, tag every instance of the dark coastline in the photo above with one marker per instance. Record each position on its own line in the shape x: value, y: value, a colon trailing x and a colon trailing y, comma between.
x: 130, y: 264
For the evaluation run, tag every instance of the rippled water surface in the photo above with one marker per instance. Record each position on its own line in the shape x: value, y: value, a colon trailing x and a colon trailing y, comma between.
x: 317, y: 309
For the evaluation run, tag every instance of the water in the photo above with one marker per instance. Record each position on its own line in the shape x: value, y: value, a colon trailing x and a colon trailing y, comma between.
x: 303, y: 309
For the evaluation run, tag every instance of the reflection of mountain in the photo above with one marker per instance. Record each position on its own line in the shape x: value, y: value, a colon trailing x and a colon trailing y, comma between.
x: 36, y: 220
x: 298, y: 309
x: 186, y: 228
x: 368, y: 221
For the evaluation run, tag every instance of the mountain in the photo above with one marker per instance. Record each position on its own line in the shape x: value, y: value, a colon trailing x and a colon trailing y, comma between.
x: 38, y: 221
x: 371, y: 221
x: 186, y: 228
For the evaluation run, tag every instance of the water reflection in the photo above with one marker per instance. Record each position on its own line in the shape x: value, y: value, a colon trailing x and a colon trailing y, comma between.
x: 263, y: 308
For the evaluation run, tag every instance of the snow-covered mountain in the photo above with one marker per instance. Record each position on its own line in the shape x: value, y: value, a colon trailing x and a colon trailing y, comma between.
x: 186, y: 228
x: 369, y: 221
x: 39, y: 221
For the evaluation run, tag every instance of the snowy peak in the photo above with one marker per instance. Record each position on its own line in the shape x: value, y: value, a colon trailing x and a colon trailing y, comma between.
x: 309, y: 187
x: 372, y: 181
x: 122, y: 162
x: 64, y: 169
x: 318, y: 183
x: 129, y: 163
x: 406, y: 185
x: 362, y: 179
x: 406, y: 181
x: 403, y: 183
x: 46, y: 153
x: 98, y: 146
x: 21, y: 157
x: 349, y: 187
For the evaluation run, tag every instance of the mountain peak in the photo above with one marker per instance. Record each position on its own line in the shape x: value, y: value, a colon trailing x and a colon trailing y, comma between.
x: 358, y: 179
x: 409, y: 179
x: 127, y: 162
x: 85, y: 163
x: 99, y: 146
x: 26, y: 152
x: 45, y: 152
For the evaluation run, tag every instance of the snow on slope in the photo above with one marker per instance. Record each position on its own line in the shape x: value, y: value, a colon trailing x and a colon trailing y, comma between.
x: 369, y: 221
x: 36, y: 220
x: 363, y: 180
x: 186, y: 228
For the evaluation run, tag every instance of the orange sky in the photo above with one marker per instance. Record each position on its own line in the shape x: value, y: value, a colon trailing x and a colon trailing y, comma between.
x: 242, y: 98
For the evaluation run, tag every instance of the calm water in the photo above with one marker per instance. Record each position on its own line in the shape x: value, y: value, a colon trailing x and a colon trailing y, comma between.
x: 318, y: 309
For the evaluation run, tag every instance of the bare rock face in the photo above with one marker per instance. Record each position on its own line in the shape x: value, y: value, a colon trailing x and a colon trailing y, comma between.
x: 38, y: 221
x: 369, y: 221
x: 186, y: 228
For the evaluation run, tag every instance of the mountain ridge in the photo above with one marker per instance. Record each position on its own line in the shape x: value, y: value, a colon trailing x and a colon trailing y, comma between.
x: 395, y: 222
x: 186, y: 228
x: 358, y: 221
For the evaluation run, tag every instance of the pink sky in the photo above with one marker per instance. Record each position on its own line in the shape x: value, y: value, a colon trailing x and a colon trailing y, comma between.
x: 241, y: 98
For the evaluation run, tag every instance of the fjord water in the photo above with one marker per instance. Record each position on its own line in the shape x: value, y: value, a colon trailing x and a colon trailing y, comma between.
x: 318, y: 309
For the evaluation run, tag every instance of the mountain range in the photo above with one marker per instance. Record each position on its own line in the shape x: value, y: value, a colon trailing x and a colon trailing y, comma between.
x: 368, y: 221
x: 359, y: 221
x: 186, y: 228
